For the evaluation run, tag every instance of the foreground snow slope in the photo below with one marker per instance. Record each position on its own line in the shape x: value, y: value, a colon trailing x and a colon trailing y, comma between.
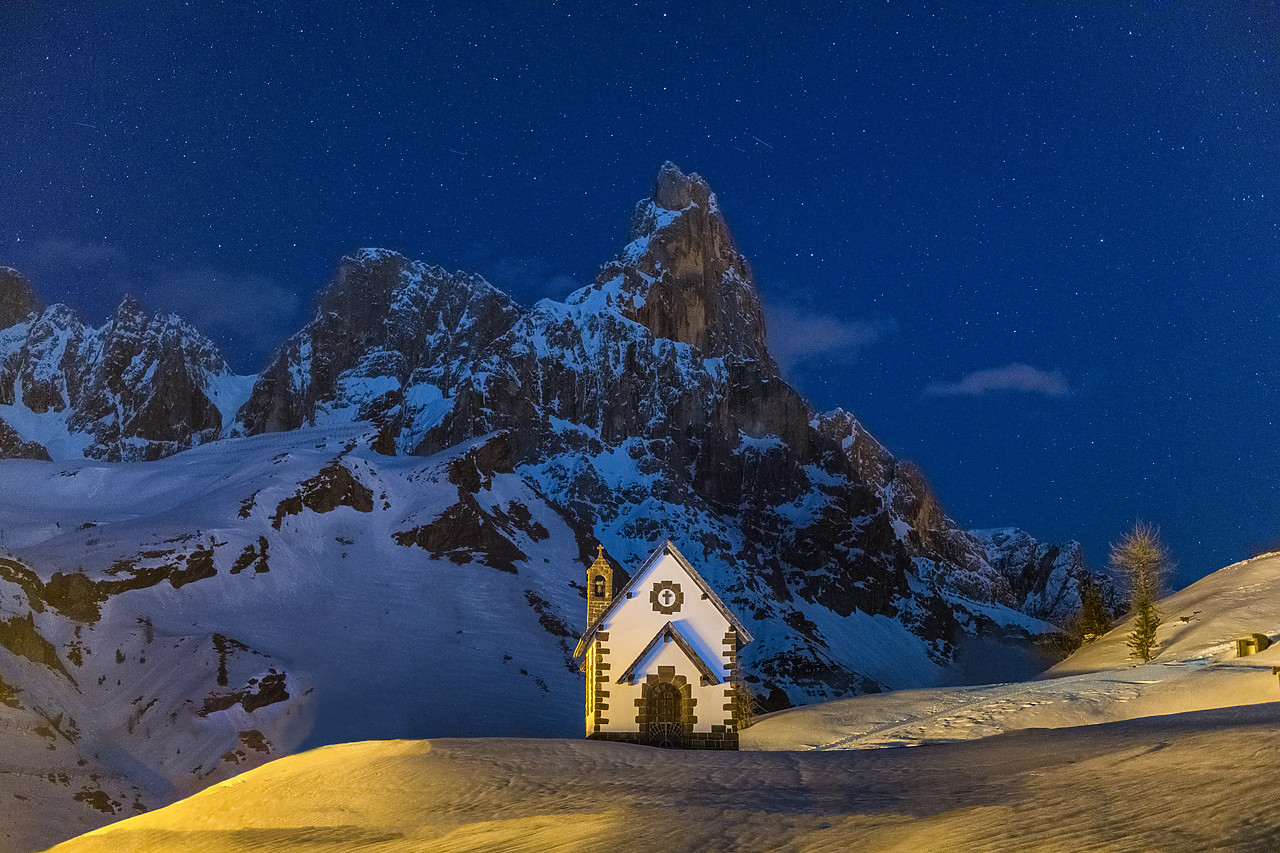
x: 1104, y: 754
x: 1195, y: 668
x: 1189, y: 782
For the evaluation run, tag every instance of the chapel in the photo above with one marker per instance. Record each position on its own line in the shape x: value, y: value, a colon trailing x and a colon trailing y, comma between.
x: 661, y: 656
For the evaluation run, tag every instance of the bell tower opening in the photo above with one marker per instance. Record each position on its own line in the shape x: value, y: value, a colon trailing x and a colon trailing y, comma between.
x: 599, y: 586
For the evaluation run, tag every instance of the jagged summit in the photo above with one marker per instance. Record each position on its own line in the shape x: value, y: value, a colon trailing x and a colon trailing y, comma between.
x: 384, y: 325
x: 18, y: 299
x: 681, y: 275
x: 674, y: 190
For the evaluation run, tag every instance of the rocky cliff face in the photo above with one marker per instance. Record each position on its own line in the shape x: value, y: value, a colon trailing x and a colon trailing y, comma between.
x: 1044, y: 580
x: 138, y: 388
x: 386, y: 338
x: 18, y: 299
x: 683, y: 279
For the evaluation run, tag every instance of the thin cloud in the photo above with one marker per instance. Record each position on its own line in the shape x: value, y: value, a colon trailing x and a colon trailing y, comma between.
x: 60, y: 254
x: 1016, y: 377
x: 247, y: 314
x: 524, y: 279
x: 799, y: 334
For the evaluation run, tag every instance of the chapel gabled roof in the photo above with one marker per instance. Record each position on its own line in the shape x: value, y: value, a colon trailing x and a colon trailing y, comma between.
x: 621, y: 595
x: 670, y: 630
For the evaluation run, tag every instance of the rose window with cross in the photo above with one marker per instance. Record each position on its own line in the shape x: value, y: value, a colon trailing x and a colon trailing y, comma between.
x: 666, y: 597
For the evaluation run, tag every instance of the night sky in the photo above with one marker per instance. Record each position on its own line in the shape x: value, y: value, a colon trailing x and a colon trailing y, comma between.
x: 1033, y: 248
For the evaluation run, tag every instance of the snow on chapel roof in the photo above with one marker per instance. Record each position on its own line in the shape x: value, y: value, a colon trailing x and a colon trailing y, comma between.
x: 621, y: 595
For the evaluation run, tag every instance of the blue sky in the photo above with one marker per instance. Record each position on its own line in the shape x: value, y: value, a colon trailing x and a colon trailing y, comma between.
x: 1034, y: 247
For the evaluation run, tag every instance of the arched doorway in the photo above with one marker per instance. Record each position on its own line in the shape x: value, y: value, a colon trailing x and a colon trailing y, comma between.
x: 663, y: 706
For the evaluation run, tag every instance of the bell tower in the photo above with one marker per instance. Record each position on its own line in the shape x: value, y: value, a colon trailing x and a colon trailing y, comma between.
x: 599, y: 586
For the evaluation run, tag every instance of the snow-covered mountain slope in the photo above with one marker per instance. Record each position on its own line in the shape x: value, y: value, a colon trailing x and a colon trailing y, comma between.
x: 1191, y: 782
x: 137, y: 388
x: 1196, y: 668
x: 165, y: 625
x: 396, y: 545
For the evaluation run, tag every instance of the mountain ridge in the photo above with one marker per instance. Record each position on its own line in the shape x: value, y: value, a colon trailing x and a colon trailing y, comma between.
x: 410, y: 494
x: 137, y: 388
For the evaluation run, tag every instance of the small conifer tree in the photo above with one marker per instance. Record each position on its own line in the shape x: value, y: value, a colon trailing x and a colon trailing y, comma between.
x: 1142, y: 559
x: 1142, y: 639
x: 1095, y: 620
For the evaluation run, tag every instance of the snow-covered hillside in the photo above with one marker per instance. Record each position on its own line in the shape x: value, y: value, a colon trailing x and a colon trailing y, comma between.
x: 167, y: 624
x: 1190, y: 782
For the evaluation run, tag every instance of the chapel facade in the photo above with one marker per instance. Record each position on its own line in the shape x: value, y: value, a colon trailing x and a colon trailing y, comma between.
x: 661, y: 656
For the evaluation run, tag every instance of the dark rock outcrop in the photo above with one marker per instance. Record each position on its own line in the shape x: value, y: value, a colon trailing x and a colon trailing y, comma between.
x: 13, y: 447
x: 18, y: 299
x: 334, y: 486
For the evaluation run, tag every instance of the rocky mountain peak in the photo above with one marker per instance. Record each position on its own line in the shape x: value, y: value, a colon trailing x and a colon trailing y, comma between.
x: 383, y: 325
x: 674, y: 190
x: 361, y: 291
x: 18, y: 299
x: 683, y: 278
x: 871, y: 463
x: 130, y: 311
x: 138, y: 387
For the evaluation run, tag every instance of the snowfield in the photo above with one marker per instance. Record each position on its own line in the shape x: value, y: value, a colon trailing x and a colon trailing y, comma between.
x: 1099, y: 754
x: 1197, y: 781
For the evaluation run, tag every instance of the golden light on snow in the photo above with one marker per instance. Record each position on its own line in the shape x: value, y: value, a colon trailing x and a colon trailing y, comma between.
x: 1104, y: 754
x: 1166, y: 784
